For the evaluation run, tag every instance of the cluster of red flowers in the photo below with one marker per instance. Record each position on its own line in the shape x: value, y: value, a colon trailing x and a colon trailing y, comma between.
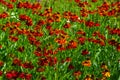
x: 114, y: 31
x: 8, y: 4
x: 27, y: 5
x: 14, y: 75
x: 46, y: 55
x: 91, y: 24
x: 26, y: 18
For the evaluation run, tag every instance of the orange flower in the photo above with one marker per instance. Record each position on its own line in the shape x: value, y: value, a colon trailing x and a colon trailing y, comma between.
x: 1, y: 63
x: 0, y: 46
x: 56, y: 17
x: 61, y: 41
x: 77, y: 73
x: 67, y: 25
x: 72, y: 44
x: 86, y: 63
x: 88, y: 77
x: 104, y: 66
x: 13, y: 38
x: 106, y: 73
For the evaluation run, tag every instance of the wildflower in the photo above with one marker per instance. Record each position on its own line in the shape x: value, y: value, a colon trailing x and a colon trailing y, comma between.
x: 60, y: 41
x: 104, y: 66
x: 41, y: 22
x: 81, y: 40
x: 43, y: 78
x: 118, y: 47
x: 56, y: 17
x: 88, y: 77
x: 1, y: 63
x: 21, y: 75
x: 4, y: 15
x: 13, y: 38
x: 113, y: 42
x: 67, y: 14
x: 86, y: 63
x: 21, y: 49
x: 102, y: 43
x: 68, y: 59
x: 70, y: 67
x: 10, y: 6
x: 0, y: 46
x: 77, y: 73
x: 9, y: 75
x: 106, y: 73
x: 1, y: 73
x: 20, y: 5
x: 48, y: 12
x: 17, y: 62
x: 27, y: 5
x: 61, y: 48
x: 85, y: 52
x: 94, y: 0
x: 28, y: 76
x: 48, y: 27
x: 72, y: 44
x: 27, y: 65
x: 12, y: 74
x: 13, y: 0
x: 89, y: 24
x: 77, y: 1
x: 37, y: 53
x: 36, y: 6
x: 81, y: 32
x: 96, y: 24
x: 40, y: 69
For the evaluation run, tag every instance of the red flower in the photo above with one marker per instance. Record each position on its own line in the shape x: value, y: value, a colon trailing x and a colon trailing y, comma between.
x: 118, y: 48
x: 28, y: 76
x: 21, y: 49
x: 43, y: 78
x: 112, y: 42
x: 70, y: 67
x: 17, y: 61
x: 96, y: 24
x: 85, y: 52
x: 13, y: 38
x: 72, y: 44
x: 67, y: 25
x: 40, y: 69
x: 29, y: 23
x: 13, y: 0
x: 27, y: 5
x: 1, y: 63
x: 9, y: 76
x: 37, y: 53
x: 0, y: 46
x: 20, y: 5
x: 77, y: 1
x: 21, y: 75
x: 12, y: 75
x: 94, y: 0
x: 10, y: 6
x: 89, y: 23
x: 1, y: 73
x: 81, y: 32
x: 28, y: 65
x: 77, y: 73
x: 4, y: 15
x: 68, y: 59
x: 82, y: 40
